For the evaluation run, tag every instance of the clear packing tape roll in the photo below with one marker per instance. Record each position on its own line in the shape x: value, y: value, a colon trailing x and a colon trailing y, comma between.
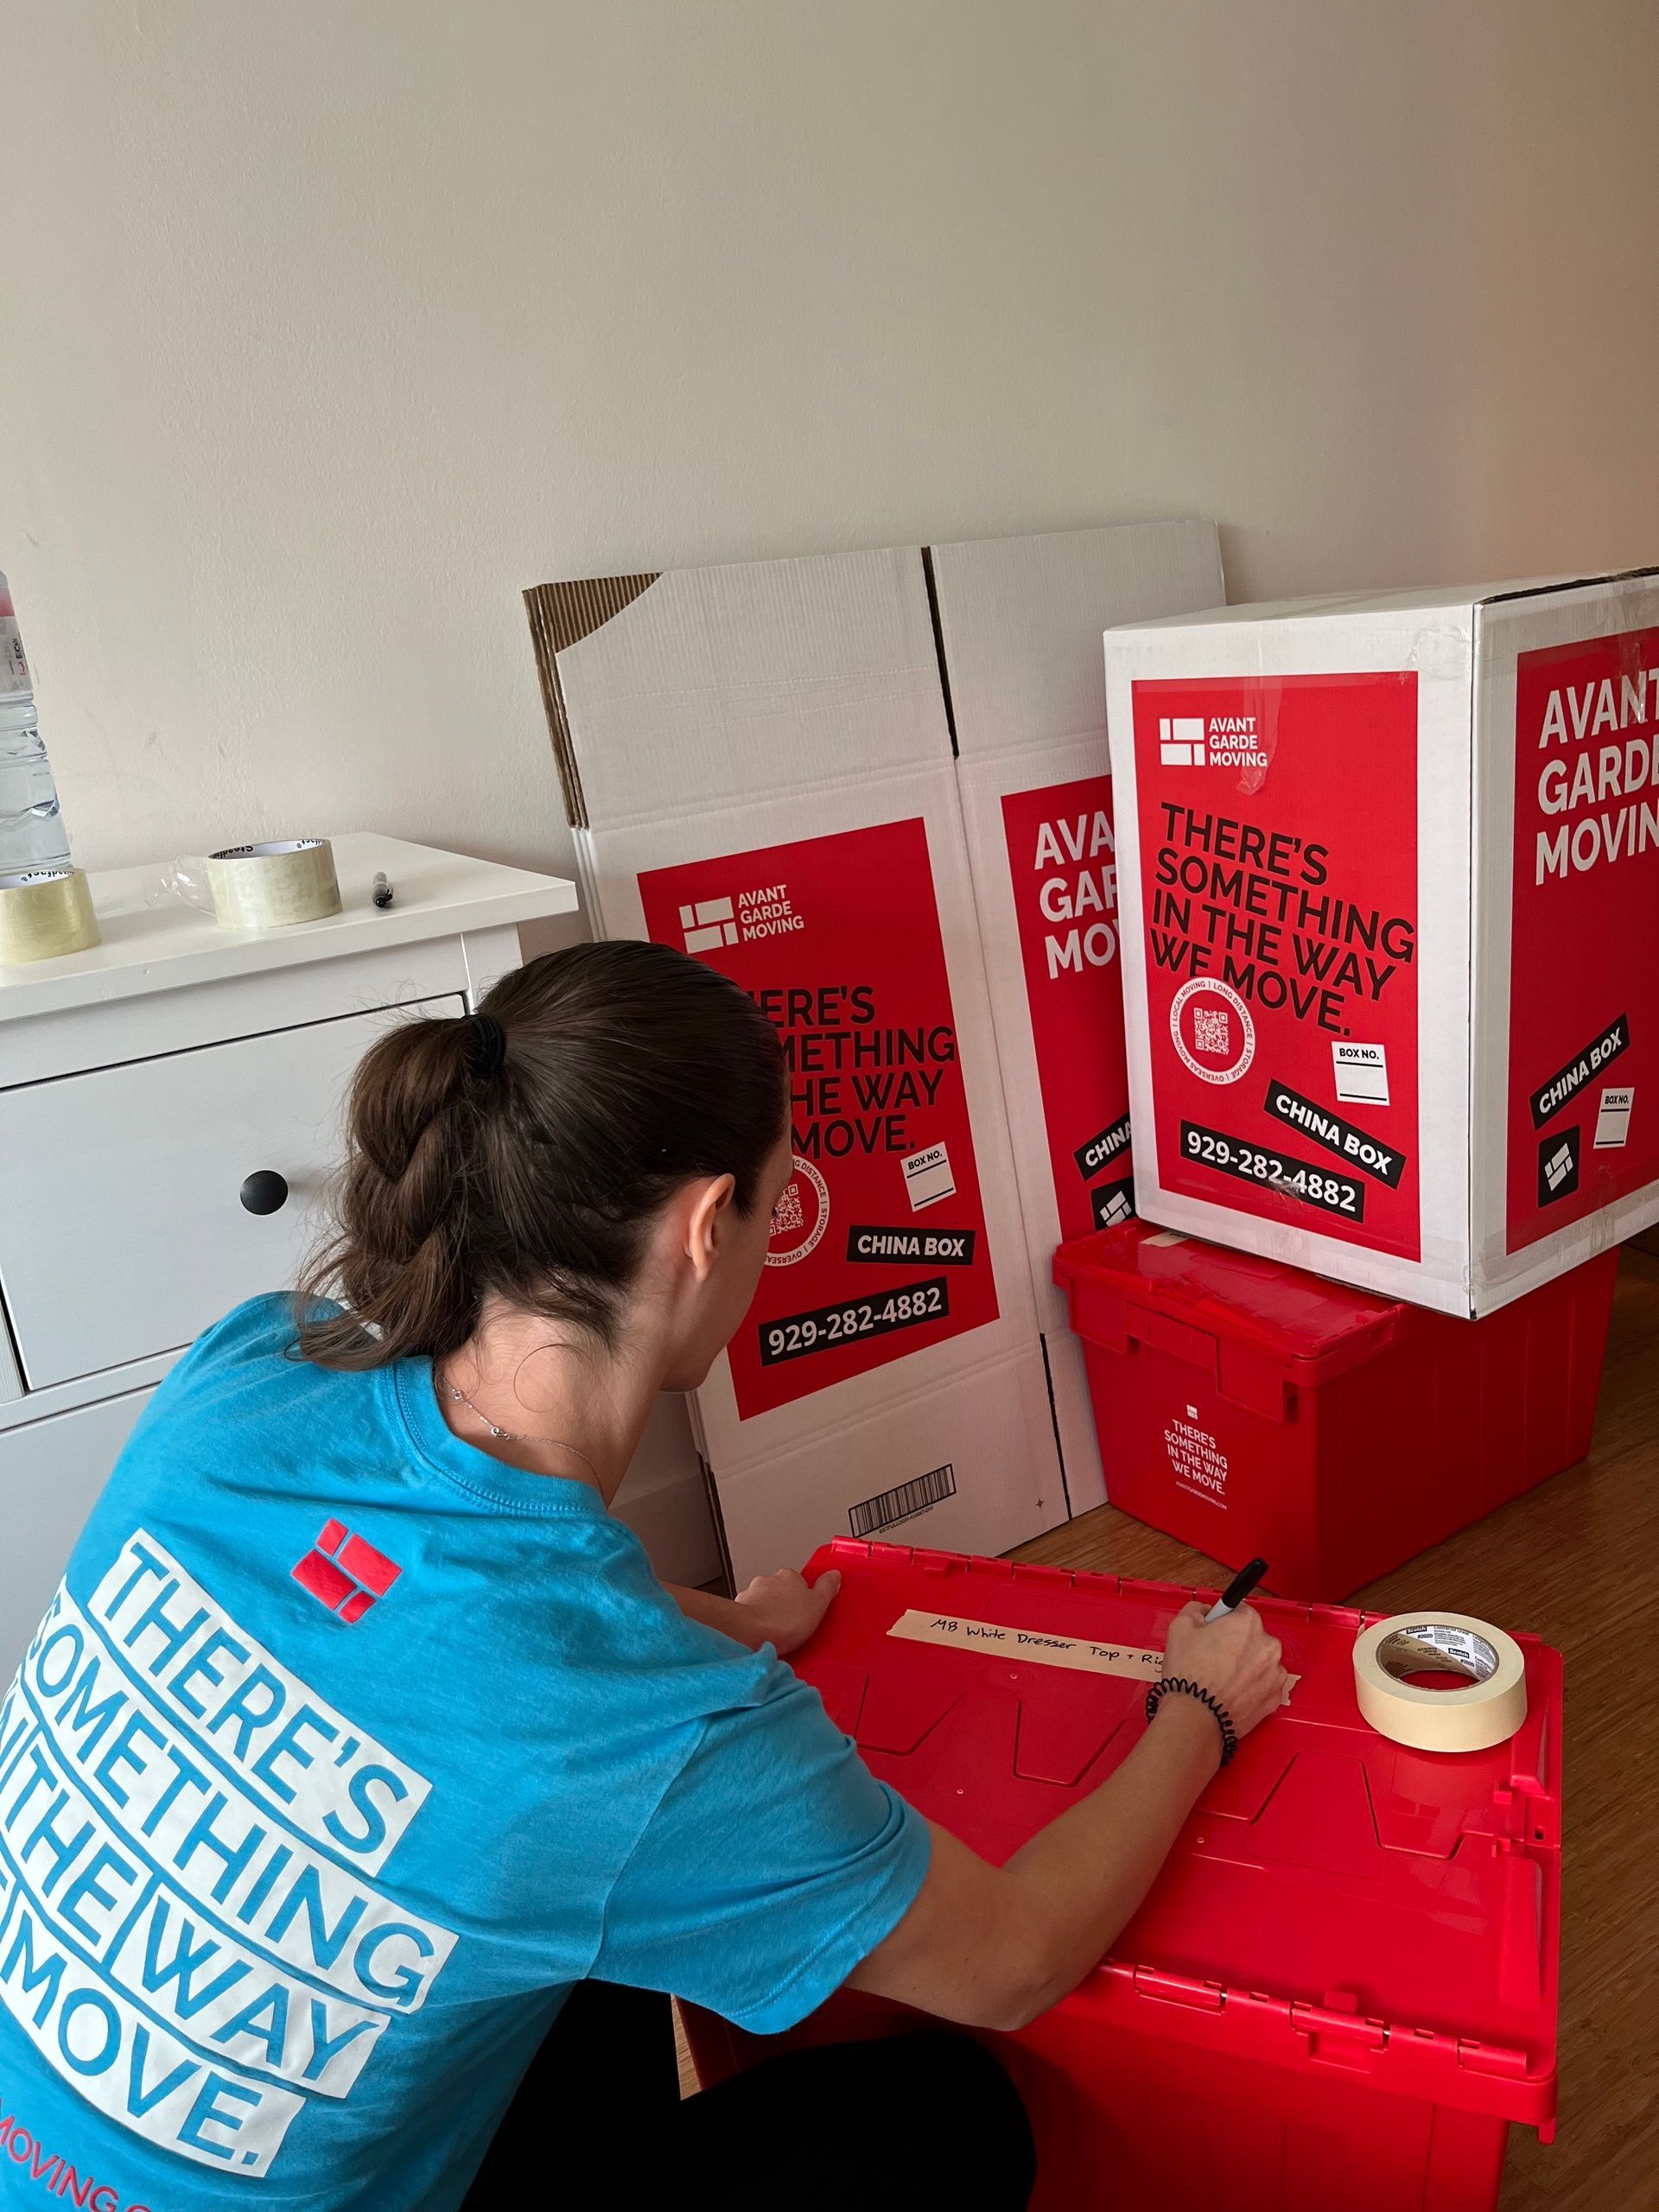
x: 44, y: 913
x: 256, y: 888
x: 1485, y: 1706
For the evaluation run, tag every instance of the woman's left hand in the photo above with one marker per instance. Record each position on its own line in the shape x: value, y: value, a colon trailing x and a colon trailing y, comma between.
x: 787, y: 1608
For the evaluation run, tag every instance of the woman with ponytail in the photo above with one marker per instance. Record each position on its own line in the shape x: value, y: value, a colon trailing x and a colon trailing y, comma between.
x: 364, y: 1796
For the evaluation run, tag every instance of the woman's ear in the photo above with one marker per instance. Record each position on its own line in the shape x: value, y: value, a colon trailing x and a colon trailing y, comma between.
x: 708, y: 1219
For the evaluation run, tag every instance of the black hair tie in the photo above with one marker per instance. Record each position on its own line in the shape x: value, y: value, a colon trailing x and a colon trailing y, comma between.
x: 1178, y: 1685
x: 487, y: 1045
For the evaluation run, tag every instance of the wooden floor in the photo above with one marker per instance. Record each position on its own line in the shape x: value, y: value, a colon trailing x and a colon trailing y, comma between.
x: 1577, y: 1562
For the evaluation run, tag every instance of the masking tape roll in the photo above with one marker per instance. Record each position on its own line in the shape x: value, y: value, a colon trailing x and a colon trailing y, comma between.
x: 44, y: 913
x: 1486, y: 1708
x: 273, y: 887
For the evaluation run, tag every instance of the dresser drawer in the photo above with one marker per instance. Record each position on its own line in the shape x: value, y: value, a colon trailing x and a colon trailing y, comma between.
x: 125, y: 1226
x: 51, y: 1472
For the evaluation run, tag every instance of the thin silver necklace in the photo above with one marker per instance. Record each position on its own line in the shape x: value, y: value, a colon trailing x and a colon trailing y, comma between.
x: 512, y: 1436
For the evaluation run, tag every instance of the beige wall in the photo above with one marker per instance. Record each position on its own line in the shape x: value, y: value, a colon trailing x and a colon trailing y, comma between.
x: 329, y: 324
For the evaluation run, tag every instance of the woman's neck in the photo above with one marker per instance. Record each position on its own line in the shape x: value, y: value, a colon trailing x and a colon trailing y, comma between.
x: 563, y: 1406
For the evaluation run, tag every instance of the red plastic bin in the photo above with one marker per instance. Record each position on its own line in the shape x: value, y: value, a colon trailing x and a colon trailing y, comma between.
x: 1342, y: 1988
x: 1250, y: 1407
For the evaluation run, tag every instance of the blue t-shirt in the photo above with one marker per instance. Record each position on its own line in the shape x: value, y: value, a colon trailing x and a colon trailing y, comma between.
x: 343, y: 1751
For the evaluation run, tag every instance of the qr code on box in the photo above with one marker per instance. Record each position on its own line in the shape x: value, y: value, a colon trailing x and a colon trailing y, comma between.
x: 788, y: 1216
x: 1209, y: 1031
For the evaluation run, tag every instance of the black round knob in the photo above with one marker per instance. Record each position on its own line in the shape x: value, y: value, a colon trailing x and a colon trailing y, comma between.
x: 264, y: 1191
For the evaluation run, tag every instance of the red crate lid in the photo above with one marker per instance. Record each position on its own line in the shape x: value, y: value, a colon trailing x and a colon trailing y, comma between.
x: 1336, y: 1899
x: 1235, y: 1296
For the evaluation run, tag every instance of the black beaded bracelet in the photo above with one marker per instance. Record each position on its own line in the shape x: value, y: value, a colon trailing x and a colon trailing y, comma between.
x: 1224, y: 1718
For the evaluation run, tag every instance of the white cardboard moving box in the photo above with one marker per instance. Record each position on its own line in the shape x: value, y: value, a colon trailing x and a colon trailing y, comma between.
x: 757, y: 761
x: 760, y: 764
x: 1018, y: 631
x: 1389, y: 875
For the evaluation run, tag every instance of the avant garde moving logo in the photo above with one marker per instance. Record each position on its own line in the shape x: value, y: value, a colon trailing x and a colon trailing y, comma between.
x: 710, y: 924
x: 1210, y: 741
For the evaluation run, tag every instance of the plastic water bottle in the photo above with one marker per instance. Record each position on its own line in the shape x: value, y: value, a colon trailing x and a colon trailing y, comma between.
x: 32, y: 833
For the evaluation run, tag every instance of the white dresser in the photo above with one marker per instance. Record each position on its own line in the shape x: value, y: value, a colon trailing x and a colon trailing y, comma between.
x: 170, y: 1113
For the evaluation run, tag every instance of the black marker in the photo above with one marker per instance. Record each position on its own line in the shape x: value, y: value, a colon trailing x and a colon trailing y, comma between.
x: 382, y: 893
x: 1237, y: 1590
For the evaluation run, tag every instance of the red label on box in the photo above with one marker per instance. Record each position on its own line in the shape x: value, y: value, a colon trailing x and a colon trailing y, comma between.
x: 1062, y: 867
x: 878, y: 1247
x: 1584, y: 967
x: 1278, y: 828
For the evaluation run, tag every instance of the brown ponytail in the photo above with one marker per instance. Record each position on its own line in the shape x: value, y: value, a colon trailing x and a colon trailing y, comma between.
x: 524, y: 1152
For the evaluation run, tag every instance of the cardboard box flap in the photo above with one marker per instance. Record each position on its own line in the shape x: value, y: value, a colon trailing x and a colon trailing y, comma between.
x: 700, y: 688
x: 1343, y: 605
x: 1250, y: 615
x: 1600, y: 577
x: 561, y: 615
x: 1021, y: 619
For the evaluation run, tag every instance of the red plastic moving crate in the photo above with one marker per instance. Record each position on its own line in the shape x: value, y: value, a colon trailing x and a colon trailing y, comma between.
x: 1342, y: 1988
x: 1250, y: 1407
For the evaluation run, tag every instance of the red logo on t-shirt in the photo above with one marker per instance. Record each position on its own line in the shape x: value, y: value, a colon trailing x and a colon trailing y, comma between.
x: 344, y: 1573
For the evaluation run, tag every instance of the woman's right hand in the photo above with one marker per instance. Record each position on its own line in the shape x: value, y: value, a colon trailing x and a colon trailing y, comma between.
x: 1234, y: 1658
x: 993, y: 1948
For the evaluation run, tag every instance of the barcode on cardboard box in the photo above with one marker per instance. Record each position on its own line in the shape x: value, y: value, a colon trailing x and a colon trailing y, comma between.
x: 903, y: 1501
